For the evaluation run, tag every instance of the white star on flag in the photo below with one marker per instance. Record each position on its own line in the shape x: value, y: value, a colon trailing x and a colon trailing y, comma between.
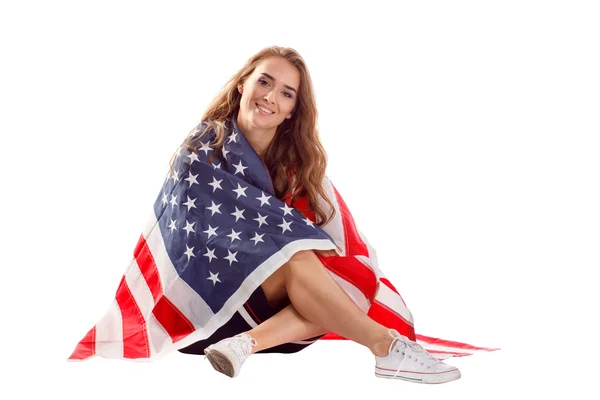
x: 214, y: 208
x: 175, y: 175
x: 214, y: 278
x: 309, y: 222
x: 211, y: 231
x: 286, y: 210
x: 216, y: 184
x: 205, y: 148
x: 189, y: 227
x: 239, y: 168
x: 165, y: 199
x: 174, y: 201
x: 233, y: 137
x: 225, y: 151
x: 261, y: 220
x: 264, y: 199
x: 257, y: 238
x: 172, y: 225
x: 189, y: 252
x: 190, y: 203
x: 193, y: 157
x: 234, y: 235
x: 191, y: 178
x: 285, y: 226
x: 238, y: 214
x: 240, y: 191
x: 231, y: 257
x: 210, y: 254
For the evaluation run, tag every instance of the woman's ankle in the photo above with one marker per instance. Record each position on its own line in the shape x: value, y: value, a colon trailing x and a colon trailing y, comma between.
x: 381, y: 345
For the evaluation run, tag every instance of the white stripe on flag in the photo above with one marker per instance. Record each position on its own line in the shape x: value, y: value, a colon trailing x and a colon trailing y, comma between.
x: 392, y: 300
x: 192, y: 306
x: 109, y: 333
x: 166, y: 270
x: 434, y: 347
x: 160, y: 341
x: 175, y: 289
x: 335, y: 227
x: 373, y: 263
x: 139, y: 289
x: 372, y: 260
x: 151, y: 224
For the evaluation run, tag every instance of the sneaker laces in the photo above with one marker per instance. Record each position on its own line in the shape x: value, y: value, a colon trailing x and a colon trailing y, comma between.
x: 243, y: 346
x: 414, y: 346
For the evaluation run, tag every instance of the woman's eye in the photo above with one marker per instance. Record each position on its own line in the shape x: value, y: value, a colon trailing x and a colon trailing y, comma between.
x: 286, y: 94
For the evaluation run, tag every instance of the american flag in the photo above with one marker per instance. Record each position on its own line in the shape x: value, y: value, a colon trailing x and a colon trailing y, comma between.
x: 215, y: 234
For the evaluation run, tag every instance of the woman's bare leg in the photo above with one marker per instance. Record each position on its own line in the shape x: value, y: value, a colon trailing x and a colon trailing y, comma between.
x: 284, y: 327
x: 319, y: 305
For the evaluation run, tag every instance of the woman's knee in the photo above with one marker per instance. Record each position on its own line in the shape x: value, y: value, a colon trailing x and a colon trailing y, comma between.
x: 303, y: 256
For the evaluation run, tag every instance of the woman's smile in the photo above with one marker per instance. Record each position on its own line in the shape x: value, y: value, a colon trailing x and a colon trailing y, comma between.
x: 263, y: 111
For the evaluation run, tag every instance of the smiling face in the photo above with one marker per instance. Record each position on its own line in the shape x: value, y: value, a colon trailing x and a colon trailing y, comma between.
x: 273, y: 86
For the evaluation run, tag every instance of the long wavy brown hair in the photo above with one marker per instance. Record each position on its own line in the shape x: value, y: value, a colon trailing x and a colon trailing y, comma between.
x: 295, y: 158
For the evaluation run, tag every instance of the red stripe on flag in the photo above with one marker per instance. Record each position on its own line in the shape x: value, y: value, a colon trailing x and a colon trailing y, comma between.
x: 453, y: 353
x: 172, y: 319
x: 390, y: 319
x: 138, y: 247
x: 135, y: 334
x: 148, y: 268
x: 332, y: 336
x: 353, y: 271
x: 449, y: 343
x: 354, y: 244
x: 86, y: 347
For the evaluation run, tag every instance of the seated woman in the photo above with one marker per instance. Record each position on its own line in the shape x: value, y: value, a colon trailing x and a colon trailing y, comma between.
x: 269, y: 259
x: 271, y: 103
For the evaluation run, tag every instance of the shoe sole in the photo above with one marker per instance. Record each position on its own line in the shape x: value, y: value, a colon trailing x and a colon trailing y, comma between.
x: 219, y: 362
x: 441, y: 377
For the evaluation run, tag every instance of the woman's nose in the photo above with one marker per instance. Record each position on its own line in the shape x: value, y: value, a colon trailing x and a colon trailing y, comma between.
x: 269, y: 96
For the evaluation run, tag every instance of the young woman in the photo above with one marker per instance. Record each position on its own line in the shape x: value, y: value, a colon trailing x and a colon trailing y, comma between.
x: 269, y: 259
x: 271, y: 103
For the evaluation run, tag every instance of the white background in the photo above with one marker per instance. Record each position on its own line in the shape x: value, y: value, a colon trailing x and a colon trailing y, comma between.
x: 463, y: 136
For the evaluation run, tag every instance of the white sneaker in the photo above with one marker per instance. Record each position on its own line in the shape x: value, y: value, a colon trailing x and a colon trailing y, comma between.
x: 228, y: 355
x: 407, y: 360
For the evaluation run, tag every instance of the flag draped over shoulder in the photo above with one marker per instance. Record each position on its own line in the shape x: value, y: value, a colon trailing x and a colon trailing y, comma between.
x: 216, y: 232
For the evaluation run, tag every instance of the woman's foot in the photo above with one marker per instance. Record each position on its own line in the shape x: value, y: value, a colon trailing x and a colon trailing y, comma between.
x: 228, y: 355
x: 407, y: 360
